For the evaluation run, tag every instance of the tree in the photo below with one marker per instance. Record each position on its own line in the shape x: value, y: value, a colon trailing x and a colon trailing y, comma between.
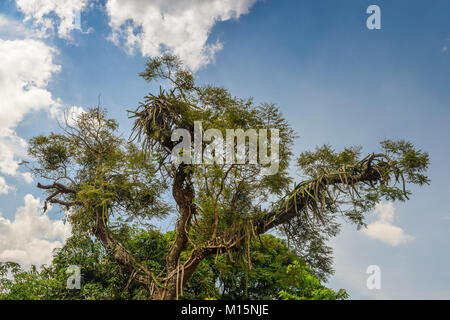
x: 100, y: 178
x: 268, y: 277
x: 100, y: 273
x: 303, y: 285
x: 271, y: 274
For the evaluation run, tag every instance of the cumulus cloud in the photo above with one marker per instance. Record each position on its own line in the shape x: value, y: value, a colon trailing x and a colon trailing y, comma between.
x: 12, y: 29
x: 384, y: 230
x: 25, y: 70
x: 32, y: 236
x: 50, y: 16
x: 4, y: 187
x: 27, y: 66
x: 70, y: 115
x: 180, y: 26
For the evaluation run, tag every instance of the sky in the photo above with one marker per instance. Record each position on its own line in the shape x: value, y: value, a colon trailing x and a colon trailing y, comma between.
x: 336, y: 81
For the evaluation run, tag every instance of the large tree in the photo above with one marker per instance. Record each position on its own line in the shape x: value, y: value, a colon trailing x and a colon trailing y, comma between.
x: 276, y: 272
x: 104, y: 181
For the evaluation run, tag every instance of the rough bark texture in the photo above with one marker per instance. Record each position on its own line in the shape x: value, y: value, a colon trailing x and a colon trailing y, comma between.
x: 169, y: 285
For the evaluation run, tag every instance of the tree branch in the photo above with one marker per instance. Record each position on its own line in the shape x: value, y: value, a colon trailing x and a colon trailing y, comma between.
x: 233, y: 237
x: 183, y: 194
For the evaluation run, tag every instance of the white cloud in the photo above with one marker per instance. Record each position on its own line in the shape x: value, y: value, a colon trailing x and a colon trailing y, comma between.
x: 180, y: 26
x: 25, y: 70
x: 32, y: 236
x: 48, y: 16
x: 12, y: 29
x: 71, y: 115
x: 4, y: 187
x: 383, y: 229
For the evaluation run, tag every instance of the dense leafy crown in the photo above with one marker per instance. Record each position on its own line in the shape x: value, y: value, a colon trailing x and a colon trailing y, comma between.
x: 107, y: 182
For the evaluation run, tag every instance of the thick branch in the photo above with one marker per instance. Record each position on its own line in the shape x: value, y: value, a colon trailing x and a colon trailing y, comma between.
x: 274, y: 219
x: 56, y: 186
x: 233, y: 237
x: 57, y: 189
x: 123, y: 257
x: 183, y: 194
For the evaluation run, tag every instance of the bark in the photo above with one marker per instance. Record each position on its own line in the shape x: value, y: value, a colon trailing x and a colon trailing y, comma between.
x: 168, y: 287
x: 232, y: 238
x: 123, y: 257
x: 183, y: 193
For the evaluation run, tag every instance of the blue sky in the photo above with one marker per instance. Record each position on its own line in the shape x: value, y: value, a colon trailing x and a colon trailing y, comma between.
x: 336, y: 81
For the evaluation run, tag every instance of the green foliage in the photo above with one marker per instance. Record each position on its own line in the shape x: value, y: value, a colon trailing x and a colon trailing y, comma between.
x: 410, y: 162
x: 17, y: 284
x: 222, y: 278
x: 226, y: 194
x: 100, y: 176
x: 304, y: 285
x: 272, y: 273
x: 101, y: 169
x: 325, y: 160
x: 386, y: 176
x: 101, y: 278
x: 168, y: 67
x: 261, y: 277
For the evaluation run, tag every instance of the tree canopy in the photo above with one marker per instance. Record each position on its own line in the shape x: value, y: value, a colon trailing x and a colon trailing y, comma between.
x: 106, y: 182
x: 271, y: 275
